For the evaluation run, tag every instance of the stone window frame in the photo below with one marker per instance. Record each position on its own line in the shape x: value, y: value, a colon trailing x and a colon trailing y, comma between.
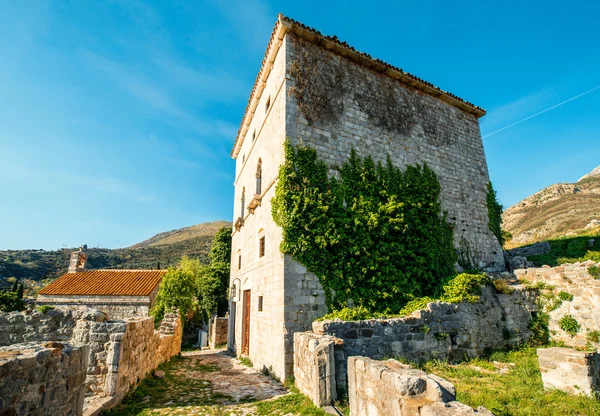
x: 259, y: 177
x: 243, y: 202
x: 260, y: 303
x: 239, y: 261
x: 268, y: 104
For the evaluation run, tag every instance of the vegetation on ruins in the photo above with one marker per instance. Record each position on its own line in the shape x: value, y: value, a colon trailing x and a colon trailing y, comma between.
x: 494, y: 213
x: 196, y: 289
x: 594, y: 271
x: 569, y: 324
x: 376, y: 236
x: 510, y: 383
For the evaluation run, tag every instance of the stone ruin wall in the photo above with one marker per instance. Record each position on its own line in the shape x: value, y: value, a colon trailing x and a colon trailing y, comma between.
x: 42, y: 379
x: 576, y: 372
x: 441, y: 331
x: 117, y: 307
x: 217, y: 331
x: 392, y: 388
x: 584, y: 308
x: 119, y: 353
x: 335, y: 105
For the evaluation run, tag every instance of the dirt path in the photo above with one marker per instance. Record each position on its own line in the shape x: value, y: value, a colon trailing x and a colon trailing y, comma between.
x: 212, y: 383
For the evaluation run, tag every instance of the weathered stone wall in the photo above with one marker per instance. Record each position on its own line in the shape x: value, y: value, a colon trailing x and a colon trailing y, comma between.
x: 314, y: 367
x: 217, y: 331
x: 386, y: 388
x: 42, y: 379
x: 441, y: 331
x: 573, y: 279
x: 32, y: 325
x: 335, y: 105
x: 573, y: 371
x: 119, y: 354
x: 116, y: 307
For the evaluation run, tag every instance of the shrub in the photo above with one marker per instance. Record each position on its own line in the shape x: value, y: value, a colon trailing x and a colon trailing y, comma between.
x: 358, y: 313
x: 415, y: 305
x: 502, y: 286
x: 565, y: 296
x: 45, y: 308
x: 594, y: 271
x: 376, y: 235
x: 440, y: 336
x: 593, y: 336
x: 568, y: 324
x: 11, y: 302
x: 464, y: 287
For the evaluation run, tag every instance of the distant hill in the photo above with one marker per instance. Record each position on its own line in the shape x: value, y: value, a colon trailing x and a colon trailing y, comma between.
x: 207, y: 229
x: 164, y: 250
x: 559, y: 210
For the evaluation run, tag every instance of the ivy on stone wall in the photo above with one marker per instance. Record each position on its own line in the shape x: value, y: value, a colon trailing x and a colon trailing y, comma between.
x: 374, y: 236
x: 494, y: 213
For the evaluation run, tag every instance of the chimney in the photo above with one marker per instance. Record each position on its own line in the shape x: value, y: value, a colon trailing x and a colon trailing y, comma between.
x: 77, y: 262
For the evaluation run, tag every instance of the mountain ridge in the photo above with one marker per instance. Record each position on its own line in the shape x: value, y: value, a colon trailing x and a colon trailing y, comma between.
x: 558, y: 210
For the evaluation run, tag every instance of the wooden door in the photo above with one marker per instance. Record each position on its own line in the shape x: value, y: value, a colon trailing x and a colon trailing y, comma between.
x: 246, y: 324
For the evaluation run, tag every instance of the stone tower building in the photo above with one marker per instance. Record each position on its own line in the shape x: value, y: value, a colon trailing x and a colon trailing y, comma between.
x: 321, y: 92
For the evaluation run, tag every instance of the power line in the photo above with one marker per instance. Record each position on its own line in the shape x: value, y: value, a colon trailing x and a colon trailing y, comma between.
x: 542, y: 112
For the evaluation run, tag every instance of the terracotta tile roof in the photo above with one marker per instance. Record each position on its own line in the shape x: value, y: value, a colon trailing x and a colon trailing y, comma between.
x: 106, y: 283
x: 285, y: 24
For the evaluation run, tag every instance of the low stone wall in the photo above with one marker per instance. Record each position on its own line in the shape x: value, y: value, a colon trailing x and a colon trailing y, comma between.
x: 575, y: 280
x: 386, y: 388
x: 573, y: 371
x: 440, y: 331
x: 217, y: 331
x: 314, y: 367
x: 32, y: 325
x: 42, y: 379
x: 536, y: 249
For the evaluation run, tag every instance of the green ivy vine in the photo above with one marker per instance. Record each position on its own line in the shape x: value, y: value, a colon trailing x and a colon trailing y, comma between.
x: 375, y: 236
x: 494, y: 213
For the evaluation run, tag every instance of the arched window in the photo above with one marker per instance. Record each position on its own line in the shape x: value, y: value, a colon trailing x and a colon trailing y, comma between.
x: 259, y: 177
x: 243, y: 202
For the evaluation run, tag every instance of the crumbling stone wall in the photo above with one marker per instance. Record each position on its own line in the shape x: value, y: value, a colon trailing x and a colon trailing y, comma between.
x: 32, y: 325
x: 440, y: 331
x: 116, y: 307
x: 576, y: 372
x: 386, y: 388
x: 314, y: 367
x: 119, y: 354
x: 575, y: 280
x: 335, y: 105
x: 217, y: 331
x: 42, y: 379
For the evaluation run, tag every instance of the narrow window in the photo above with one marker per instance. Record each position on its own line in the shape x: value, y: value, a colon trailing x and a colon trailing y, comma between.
x: 268, y: 104
x: 243, y: 159
x: 261, y: 247
x: 259, y: 177
x: 260, y: 303
x: 239, y: 262
x: 243, y: 202
x: 254, y: 135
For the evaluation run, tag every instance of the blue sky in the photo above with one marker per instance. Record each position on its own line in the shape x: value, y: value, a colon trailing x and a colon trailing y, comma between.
x: 117, y: 117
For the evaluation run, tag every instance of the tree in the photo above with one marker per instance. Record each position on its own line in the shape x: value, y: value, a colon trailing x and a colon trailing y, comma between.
x: 20, y: 291
x: 178, y: 290
x: 220, y: 262
x: 15, y: 286
x: 494, y: 213
x: 9, y: 302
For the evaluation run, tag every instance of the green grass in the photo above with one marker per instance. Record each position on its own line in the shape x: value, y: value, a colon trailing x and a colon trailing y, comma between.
x: 292, y: 404
x: 569, y: 250
x: 519, y: 392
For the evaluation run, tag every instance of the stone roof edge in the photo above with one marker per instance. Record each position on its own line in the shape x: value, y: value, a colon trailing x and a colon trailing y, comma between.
x: 285, y: 24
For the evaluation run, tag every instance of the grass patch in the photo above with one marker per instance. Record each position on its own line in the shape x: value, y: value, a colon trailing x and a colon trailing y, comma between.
x: 246, y: 361
x: 291, y: 404
x: 516, y: 392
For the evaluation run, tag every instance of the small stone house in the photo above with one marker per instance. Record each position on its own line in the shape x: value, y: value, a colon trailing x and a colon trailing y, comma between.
x: 118, y: 293
x: 321, y: 92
